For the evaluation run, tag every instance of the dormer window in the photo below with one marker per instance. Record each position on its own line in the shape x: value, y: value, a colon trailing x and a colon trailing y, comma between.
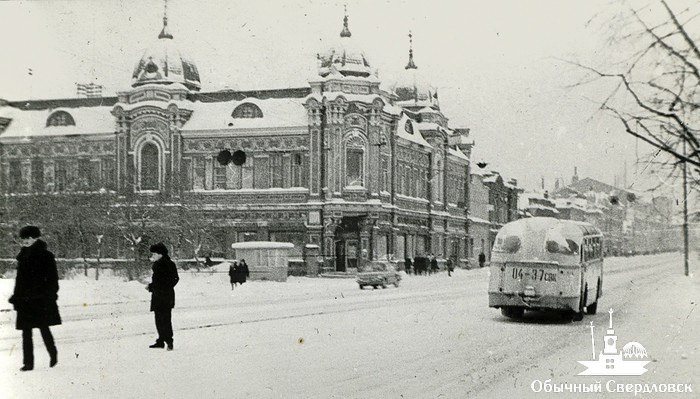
x: 60, y: 118
x: 409, y: 127
x: 247, y: 110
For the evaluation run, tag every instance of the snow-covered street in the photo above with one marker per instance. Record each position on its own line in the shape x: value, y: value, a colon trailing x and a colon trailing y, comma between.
x: 434, y: 336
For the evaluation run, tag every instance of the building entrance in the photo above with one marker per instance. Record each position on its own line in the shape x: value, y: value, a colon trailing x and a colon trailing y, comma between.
x: 347, y: 244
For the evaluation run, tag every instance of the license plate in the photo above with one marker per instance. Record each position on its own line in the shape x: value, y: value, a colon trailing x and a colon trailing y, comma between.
x: 531, y: 274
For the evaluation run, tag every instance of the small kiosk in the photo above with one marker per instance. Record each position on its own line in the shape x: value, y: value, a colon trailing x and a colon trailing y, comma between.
x: 266, y: 260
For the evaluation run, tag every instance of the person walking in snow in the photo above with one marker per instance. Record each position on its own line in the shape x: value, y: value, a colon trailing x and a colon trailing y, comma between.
x: 35, y: 295
x: 450, y: 267
x: 433, y: 264
x: 233, y: 274
x: 162, y: 288
x: 482, y: 259
x: 407, y: 265
x: 243, y: 271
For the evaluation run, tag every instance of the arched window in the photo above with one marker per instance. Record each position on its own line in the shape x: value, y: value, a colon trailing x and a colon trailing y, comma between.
x: 149, y: 167
x: 354, y: 160
x: 247, y: 110
x: 60, y: 118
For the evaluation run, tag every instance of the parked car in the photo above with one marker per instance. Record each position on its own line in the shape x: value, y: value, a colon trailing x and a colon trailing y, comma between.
x: 378, y: 274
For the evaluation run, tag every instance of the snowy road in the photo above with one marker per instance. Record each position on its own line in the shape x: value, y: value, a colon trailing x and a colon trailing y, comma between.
x: 434, y: 336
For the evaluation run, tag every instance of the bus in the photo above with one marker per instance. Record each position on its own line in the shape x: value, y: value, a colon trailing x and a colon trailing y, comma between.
x: 546, y: 263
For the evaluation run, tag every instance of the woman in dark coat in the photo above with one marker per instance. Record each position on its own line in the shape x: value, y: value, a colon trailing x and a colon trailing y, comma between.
x: 243, y: 272
x: 162, y: 288
x: 35, y: 295
x: 233, y: 274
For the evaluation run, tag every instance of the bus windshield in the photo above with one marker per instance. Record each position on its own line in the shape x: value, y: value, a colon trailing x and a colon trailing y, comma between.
x: 538, y: 239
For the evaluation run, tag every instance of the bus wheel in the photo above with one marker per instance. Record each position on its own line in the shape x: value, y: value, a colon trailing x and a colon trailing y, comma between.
x: 592, y: 308
x: 577, y: 315
x: 512, y: 312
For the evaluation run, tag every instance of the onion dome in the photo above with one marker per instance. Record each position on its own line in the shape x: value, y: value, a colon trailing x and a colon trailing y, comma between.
x: 344, y: 57
x: 163, y: 63
x: 411, y: 85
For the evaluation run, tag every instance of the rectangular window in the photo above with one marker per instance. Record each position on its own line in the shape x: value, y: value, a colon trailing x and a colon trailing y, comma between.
x: 108, y: 174
x: 15, y: 183
x: 233, y: 176
x: 297, y: 169
x: 198, y: 173
x: 385, y: 174
x: 38, y: 175
x: 94, y: 180
x: 83, y: 174
x: 61, y: 175
x: 261, y: 178
x: 219, y: 175
x: 186, y: 174
x: 277, y: 170
x: 248, y: 173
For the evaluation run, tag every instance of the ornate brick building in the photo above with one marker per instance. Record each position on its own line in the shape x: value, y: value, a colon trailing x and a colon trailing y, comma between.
x: 363, y: 171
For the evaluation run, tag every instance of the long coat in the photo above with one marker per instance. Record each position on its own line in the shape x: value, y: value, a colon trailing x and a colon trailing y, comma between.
x: 163, y: 283
x: 36, y: 288
x: 243, y: 272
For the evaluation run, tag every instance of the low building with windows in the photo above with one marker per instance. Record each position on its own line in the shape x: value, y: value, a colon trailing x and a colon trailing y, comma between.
x: 361, y: 168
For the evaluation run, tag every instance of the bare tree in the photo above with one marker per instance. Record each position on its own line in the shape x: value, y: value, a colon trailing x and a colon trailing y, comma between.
x: 656, y: 81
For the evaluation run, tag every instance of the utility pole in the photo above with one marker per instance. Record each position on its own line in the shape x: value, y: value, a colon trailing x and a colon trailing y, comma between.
x: 685, y: 213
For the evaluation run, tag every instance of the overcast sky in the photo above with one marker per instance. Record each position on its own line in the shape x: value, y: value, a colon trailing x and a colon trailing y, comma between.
x: 495, y: 63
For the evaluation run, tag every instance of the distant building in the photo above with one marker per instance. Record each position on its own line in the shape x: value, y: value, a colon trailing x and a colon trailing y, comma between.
x: 361, y: 171
x: 630, y: 223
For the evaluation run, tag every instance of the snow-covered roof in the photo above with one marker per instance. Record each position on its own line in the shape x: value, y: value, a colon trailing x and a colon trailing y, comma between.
x: 428, y: 126
x: 155, y: 103
x: 414, y: 137
x: 428, y: 110
x: 88, y: 121
x: 413, y: 103
x: 332, y: 95
x: 277, y: 112
x: 538, y: 206
x: 492, y: 178
x: 458, y: 153
x: 478, y: 220
x: 262, y: 245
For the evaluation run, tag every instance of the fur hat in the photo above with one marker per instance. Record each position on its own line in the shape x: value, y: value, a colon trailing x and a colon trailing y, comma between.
x: 29, y: 232
x: 159, y: 248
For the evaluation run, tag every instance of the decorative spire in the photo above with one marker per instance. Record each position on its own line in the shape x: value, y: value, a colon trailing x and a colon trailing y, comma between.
x: 164, y: 33
x: 411, y: 64
x: 345, y: 32
x: 611, y: 312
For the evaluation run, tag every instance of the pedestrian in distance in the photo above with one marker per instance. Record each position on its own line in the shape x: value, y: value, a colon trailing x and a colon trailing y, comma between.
x: 408, y: 264
x: 233, y: 274
x: 450, y: 267
x: 162, y: 288
x: 433, y: 264
x: 482, y: 259
x: 35, y: 295
x: 243, y: 271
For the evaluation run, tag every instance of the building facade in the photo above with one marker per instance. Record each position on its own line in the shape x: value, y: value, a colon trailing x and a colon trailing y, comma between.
x: 360, y: 170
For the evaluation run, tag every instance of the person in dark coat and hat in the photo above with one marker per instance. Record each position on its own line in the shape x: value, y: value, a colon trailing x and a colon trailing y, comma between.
x: 162, y: 288
x: 233, y: 274
x: 243, y: 272
x: 35, y: 295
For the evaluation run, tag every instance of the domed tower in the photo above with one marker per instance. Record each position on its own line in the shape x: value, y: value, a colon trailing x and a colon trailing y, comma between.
x: 412, y: 89
x: 149, y: 118
x: 163, y: 63
x: 344, y: 57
